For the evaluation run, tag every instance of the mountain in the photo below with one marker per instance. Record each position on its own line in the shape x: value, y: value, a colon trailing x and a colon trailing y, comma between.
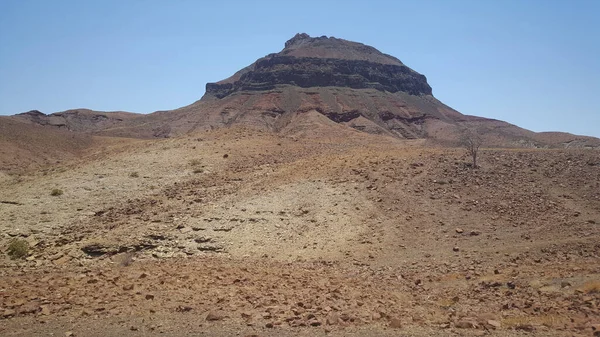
x: 308, y: 87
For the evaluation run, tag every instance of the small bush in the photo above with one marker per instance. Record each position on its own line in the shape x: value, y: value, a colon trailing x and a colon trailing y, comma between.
x: 134, y: 174
x: 56, y: 192
x: 17, y: 249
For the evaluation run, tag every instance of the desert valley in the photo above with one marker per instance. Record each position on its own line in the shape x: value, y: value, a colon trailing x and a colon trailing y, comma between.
x: 321, y: 191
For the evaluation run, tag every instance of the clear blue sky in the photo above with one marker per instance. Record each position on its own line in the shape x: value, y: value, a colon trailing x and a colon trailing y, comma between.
x: 534, y: 63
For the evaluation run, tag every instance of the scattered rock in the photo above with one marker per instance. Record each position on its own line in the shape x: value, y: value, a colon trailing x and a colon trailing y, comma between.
x: 183, y: 308
x: 86, y: 312
x: 56, y: 256
x: 29, y: 308
x: 32, y: 241
x: 494, y: 324
x: 96, y: 249
x: 62, y: 260
x: 45, y: 310
x: 210, y: 248
x: 215, y: 316
x: 315, y: 322
x: 395, y: 323
x: 465, y: 324
x: 223, y: 229
x: 8, y: 313
x: 525, y: 327
x: 202, y: 239
x: 332, y: 318
x: 459, y: 230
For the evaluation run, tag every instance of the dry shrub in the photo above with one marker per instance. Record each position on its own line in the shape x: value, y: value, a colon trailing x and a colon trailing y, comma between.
x: 17, y: 249
x: 56, y: 192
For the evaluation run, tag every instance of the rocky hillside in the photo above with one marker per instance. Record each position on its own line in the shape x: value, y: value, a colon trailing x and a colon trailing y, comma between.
x: 82, y: 120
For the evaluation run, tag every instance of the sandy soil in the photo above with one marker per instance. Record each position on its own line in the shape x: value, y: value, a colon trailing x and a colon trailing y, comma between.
x: 239, y: 232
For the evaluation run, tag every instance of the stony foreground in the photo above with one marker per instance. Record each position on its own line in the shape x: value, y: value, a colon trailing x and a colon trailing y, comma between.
x: 244, y: 233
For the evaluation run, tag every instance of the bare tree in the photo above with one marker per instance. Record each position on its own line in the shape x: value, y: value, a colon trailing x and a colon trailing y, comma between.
x: 471, y: 140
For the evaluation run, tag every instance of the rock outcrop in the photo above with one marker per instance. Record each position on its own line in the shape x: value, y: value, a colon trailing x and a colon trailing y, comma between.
x: 78, y: 119
x: 329, y: 62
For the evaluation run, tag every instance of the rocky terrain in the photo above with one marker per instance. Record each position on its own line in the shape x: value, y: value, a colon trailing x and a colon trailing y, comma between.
x: 236, y: 231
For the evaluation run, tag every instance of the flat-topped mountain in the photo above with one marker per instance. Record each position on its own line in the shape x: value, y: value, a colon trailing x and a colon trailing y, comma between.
x: 324, y: 62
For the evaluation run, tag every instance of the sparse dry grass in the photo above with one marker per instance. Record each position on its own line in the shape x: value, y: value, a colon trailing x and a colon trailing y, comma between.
x: 494, y: 278
x: 195, y: 162
x: 196, y: 165
x: 452, y: 277
x: 447, y: 302
x: 551, y: 321
x: 590, y: 287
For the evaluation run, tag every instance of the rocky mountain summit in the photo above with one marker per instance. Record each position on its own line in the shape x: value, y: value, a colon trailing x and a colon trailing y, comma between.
x: 324, y: 62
